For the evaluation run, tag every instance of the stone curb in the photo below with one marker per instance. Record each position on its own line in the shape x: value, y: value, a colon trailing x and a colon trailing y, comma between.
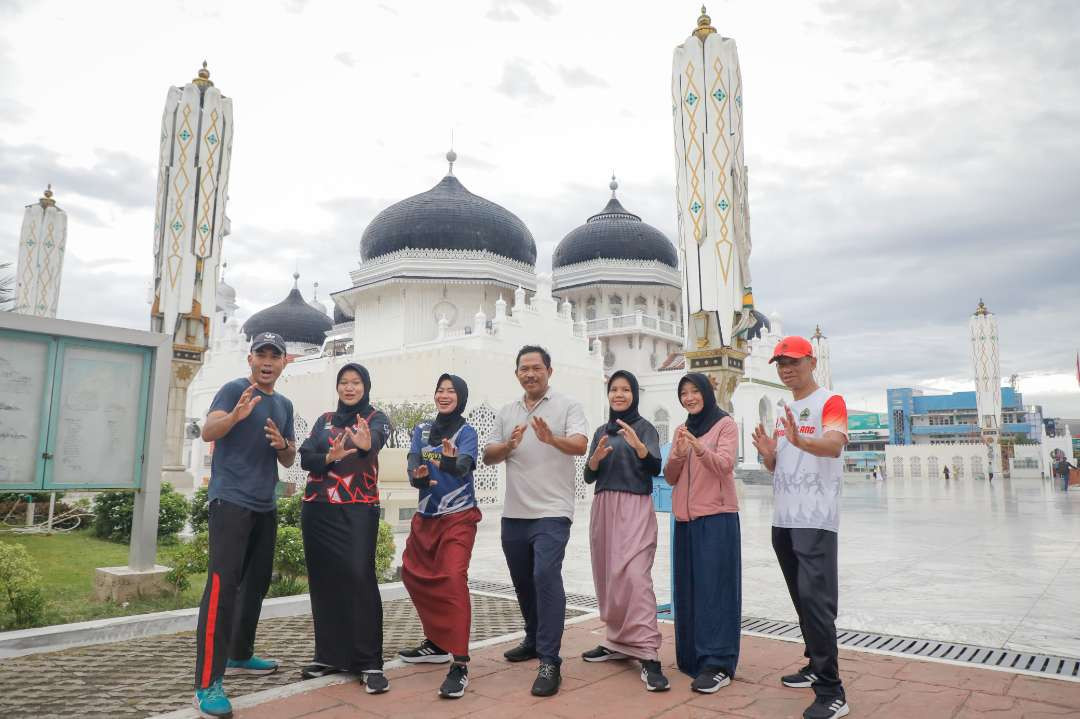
x: 114, y: 629
x: 301, y: 686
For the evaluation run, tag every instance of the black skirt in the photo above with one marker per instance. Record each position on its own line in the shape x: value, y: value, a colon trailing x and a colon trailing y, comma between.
x: 339, y: 548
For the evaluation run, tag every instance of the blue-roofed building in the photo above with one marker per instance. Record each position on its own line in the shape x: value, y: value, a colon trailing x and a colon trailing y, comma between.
x: 917, y: 418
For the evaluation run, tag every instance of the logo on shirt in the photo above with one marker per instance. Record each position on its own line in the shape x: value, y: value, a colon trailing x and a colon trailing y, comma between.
x: 805, y: 414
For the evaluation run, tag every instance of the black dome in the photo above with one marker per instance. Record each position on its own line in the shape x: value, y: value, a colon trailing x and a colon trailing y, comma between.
x: 448, y: 217
x: 614, y: 234
x: 340, y: 315
x: 292, y: 318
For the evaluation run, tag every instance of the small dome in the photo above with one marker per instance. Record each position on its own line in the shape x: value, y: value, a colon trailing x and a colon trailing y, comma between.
x: 340, y: 315
x: 614, y: 234
x: 448, y: 217
x: 292, y: 318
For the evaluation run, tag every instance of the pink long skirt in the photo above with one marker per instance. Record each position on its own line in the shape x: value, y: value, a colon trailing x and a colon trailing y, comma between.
x: 622, y: 536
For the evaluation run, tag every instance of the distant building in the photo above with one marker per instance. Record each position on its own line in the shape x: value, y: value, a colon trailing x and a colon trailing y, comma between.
x: 868, y: 433
x: 917, y: 418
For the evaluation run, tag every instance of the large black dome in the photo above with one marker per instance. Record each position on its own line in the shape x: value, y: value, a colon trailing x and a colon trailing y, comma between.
x: 448, y: 217
x: 614, y: 234
x: 292, y: 318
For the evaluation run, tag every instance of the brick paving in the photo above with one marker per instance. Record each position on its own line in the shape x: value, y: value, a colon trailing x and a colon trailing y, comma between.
x: 152, y: 675
x: 878, y: 686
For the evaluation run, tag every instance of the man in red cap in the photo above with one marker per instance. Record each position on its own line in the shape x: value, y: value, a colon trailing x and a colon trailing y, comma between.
x: 803, y: 453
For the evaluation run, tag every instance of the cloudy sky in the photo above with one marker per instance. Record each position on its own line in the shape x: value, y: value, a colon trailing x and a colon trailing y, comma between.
x: 906, y: 158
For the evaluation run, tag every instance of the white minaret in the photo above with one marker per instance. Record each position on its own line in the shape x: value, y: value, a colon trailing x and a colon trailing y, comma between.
x: 823, y: 371
x: 984, y: 358
x: 987, y: 366
x: 711, y: 197
x: 189, y: 227
x: 41, y: 257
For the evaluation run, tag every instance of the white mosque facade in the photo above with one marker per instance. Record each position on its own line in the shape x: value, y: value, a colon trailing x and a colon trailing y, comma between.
x: 447, y: 283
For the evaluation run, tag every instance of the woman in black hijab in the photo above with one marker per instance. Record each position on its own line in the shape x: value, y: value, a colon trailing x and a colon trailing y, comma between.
x: 623, y: 459
x: 340, y: 524
x: 706, y: 553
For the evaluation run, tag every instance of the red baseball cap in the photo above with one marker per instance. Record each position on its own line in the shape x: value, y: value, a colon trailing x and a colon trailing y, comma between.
x: 794, y: 347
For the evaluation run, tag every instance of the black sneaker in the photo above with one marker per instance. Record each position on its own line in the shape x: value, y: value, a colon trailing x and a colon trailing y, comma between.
x: 710, y: 681
x: 548, y: 679
x: 827, y: 708
x: 802, y: 679
x: 456, y: 681
x: 601, y: 654
x: 316, y: 670
x: 522, y: 652
x: 427, y: 653
x: 375, y: 682
x: 653, y: 676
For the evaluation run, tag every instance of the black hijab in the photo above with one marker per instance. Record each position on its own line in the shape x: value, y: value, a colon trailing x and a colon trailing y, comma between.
x: 445, y: 425
x: 345, y: 415
x: 628, y: 415
x: 699, y: 424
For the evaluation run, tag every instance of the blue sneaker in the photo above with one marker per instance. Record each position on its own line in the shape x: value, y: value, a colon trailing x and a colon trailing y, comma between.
x: 254, y: 665
x: 212, y: 702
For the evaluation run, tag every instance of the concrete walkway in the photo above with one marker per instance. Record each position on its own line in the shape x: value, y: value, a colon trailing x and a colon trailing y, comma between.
x: 878, y: 686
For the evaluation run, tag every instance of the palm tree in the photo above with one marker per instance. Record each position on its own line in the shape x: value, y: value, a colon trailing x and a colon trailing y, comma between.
x: 7, y: 289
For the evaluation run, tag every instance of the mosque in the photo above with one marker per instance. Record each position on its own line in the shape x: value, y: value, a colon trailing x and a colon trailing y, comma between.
x: 447, y: 281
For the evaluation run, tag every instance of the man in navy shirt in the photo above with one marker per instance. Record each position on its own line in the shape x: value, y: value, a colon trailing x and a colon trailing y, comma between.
x: 251, y: 427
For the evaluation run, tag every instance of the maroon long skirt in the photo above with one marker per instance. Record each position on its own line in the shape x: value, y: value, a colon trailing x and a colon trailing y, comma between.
x: 435, y: 570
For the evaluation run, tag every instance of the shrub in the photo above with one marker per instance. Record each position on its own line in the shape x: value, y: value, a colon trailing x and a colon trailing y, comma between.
x: 191, y: 558
x: 20, y: 588
x: 384, y: 553
x: 199, y: 511
x: 114, y: 512
x: 288, y: 510
x: 289, y: 564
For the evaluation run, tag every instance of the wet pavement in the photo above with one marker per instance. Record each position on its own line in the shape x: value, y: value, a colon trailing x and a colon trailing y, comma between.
x: 961, y: 561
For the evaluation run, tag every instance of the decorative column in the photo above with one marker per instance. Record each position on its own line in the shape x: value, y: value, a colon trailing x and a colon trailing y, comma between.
x: 189, y: 227
x: 987, y: 367
x: 41, y: 257
x: 713, y: 213
x: 823, y: 371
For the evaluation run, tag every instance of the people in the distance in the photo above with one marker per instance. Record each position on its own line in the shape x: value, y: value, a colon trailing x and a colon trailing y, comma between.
x: 707, y: 555
x: 624, y: 456
x: 340, y: 523
x: 538, y: 437
x: 251, y: 427
x: 804, y: 455
x: 435, y: 565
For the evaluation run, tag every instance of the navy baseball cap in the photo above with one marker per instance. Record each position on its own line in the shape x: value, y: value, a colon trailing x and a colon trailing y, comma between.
x: 268, y: 339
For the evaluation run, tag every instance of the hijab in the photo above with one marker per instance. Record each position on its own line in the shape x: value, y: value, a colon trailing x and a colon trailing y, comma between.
x: 699, y: 424
x: 345, y: 415
x: 628, y: 415
x: 446, y: 424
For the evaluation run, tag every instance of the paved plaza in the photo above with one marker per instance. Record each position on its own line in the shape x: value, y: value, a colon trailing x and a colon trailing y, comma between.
x: 961, y: 561
x: 881, y: 687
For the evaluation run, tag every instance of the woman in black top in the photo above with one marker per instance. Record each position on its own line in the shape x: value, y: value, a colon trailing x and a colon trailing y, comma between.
x: 624, y: 458
x: 340, y: 523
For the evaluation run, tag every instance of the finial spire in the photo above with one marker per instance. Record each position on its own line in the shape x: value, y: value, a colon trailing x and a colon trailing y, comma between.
x: 202, y: 79
x: 47, y: 197
x: 613, y: 185
x: 817, y: 333
x: 451, y: 157
x: 315, y: 291
x: 981, y: 309
x: 296, y: 279
x: 704, y: 26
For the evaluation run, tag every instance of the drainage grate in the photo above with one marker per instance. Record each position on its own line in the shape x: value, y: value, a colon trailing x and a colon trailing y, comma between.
x: 574, y: 601
x: 1061, y: 667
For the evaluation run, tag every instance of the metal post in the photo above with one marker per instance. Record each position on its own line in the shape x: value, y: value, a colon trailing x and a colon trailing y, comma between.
x: 52, y: 510
x: 30, y: 511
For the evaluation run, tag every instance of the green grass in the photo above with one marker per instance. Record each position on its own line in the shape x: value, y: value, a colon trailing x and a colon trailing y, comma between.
x: 67, y: 563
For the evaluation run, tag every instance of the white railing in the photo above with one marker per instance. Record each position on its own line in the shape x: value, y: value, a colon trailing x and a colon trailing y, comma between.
x: 637, y: 320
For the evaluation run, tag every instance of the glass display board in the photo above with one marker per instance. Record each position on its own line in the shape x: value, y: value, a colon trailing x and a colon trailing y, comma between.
x: 25, y: 379
x: 98, y: 402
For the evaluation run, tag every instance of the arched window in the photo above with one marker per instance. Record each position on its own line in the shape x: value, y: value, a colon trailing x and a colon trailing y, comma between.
x: 898, y: 467
x: 916, y: 467
x: 931, y: 467
x: 615, y: 302
x: 590, y: 308
x: 661, y: 421
x: 672, y: 312
x: 958, y: 467
x: 977, y: 468
x: 641, y: 305
x: 765, y: 414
